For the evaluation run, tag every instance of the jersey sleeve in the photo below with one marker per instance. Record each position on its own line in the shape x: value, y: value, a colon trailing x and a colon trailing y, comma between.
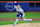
x: 15, y: 6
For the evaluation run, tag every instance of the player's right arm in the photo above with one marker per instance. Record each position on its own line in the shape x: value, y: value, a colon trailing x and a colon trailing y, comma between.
x: 15, y: 5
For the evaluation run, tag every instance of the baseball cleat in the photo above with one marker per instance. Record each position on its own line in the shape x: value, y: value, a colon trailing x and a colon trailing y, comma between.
x: 14, y: 24
x: 31, y: 21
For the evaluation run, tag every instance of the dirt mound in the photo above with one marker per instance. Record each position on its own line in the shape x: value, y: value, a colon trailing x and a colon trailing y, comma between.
x: 23, y: 25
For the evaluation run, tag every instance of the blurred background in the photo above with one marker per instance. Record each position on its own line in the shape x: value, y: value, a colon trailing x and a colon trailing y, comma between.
x: 8, y: 13
x: 27, y: 6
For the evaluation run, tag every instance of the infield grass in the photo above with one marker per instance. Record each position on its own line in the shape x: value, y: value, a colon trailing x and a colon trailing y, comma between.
x: 13, y: 15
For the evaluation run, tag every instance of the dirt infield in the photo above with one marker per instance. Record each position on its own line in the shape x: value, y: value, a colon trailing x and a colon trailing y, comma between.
x: 23, y: 25
x: 13, y: 19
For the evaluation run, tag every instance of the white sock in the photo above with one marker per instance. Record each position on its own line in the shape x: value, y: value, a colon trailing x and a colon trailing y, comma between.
x: 16, y: 21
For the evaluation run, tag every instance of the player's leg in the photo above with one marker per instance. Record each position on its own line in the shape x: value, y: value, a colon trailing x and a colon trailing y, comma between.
x: 26, y: 19
x: 16, y: 20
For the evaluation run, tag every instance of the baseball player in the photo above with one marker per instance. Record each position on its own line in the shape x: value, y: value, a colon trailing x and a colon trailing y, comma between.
x: 20, y: 14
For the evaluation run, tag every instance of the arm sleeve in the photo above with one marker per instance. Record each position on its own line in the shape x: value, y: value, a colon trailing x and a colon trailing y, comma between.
x: 15, y: 6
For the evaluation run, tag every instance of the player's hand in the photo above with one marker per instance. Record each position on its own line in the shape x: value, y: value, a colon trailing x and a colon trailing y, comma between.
x: 15, y: 1
x: 19, y: 12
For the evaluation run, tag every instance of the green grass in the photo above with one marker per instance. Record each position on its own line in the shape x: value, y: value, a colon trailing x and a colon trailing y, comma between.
x: 11, y: 22
x: 13, y: 15
x: 32, y: 15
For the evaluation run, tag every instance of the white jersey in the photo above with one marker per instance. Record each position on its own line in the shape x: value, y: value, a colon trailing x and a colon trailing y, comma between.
x: 19, y: 10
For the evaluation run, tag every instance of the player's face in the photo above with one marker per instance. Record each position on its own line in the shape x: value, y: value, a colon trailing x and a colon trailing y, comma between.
x: 18, y: 6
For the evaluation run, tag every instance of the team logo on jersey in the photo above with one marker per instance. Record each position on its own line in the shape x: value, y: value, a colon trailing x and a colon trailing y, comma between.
x: 9, y: 6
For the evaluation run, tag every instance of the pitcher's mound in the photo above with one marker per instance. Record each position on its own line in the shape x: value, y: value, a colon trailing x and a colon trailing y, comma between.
x: 23, y: 25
